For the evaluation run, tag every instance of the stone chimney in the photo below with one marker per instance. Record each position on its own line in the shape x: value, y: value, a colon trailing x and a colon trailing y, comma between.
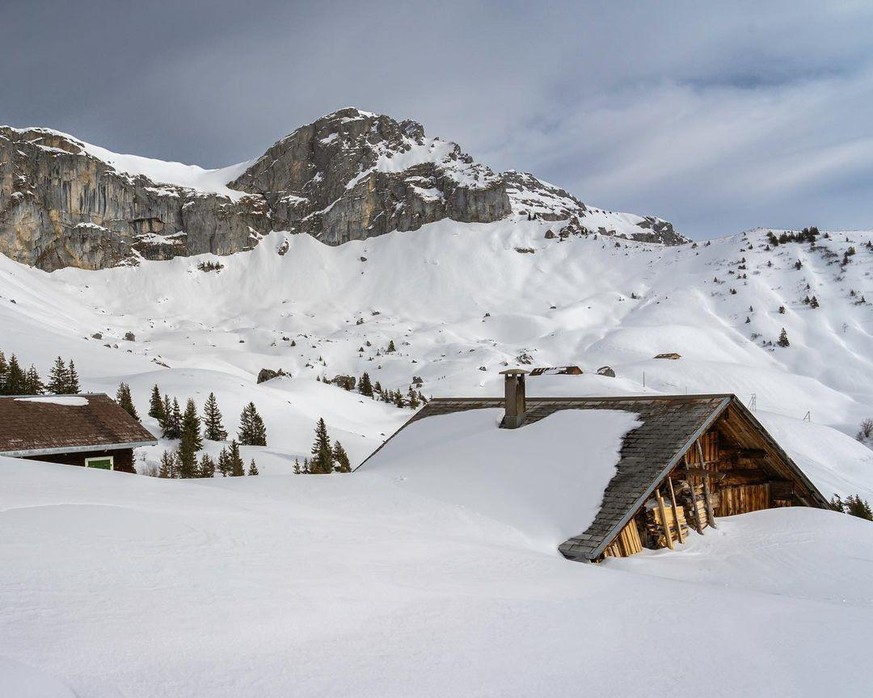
x: 513, y: 385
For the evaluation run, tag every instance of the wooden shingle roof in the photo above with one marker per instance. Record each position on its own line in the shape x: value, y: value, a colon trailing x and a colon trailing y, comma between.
x: 44, y: 425
x: 670, y: 425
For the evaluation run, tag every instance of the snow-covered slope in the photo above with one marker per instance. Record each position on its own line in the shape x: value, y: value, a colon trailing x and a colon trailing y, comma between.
x: 462, y: 302
x: 350, y: 586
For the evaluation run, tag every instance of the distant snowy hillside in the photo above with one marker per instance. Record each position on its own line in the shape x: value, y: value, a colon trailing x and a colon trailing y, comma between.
x: 460, y: 303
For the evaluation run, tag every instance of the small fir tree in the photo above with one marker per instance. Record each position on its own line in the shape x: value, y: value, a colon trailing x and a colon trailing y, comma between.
x: 206, y: 468
x: 32, y: 382
x: 168, y: 465
x: 73, y: 386
x: 322, y: 453
x: 125, y: 401
x: 173, y: 422
x: 237, y: 465
x: 364, y: 386
x: 253, y: 468
x: 341, y: 459
x: 391, y: 348
x: 191, y: 425
x: 58, y: 378
x: 783, y: 339
x: 252, y: 431
x: 156, y: 405
x: 16, y: 379
x: 213, y: 428
x: 224, y: 462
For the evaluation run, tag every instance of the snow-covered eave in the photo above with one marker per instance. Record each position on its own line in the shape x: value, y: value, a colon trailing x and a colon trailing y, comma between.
x: 23, y: 453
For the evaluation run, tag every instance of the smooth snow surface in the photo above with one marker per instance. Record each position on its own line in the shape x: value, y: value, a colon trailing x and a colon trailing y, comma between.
x: 545, y: 479
x: 69, y: 400
x: 118, y: 585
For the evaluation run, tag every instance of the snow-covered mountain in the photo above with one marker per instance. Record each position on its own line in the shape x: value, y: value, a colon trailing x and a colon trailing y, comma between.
x: 460, y: 303
x: 350, y: 175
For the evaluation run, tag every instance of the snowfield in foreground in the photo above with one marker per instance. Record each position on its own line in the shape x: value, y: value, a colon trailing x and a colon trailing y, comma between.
x: 112, y: 584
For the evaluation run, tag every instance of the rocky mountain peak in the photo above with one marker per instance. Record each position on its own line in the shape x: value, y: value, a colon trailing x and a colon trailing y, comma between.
x: 349, y: 175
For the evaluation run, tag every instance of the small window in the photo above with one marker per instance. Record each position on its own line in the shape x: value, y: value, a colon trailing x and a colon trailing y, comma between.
x: 103, y: 462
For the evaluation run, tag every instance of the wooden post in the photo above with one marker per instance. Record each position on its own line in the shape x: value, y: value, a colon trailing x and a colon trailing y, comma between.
x: 710, y: 515
x: 667, y: 535
x: 695, y: 514
x: 679, y: 533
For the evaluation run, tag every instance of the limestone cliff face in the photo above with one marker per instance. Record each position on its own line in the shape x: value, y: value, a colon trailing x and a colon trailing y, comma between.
x: 61, y: 206
x: 348, y: 176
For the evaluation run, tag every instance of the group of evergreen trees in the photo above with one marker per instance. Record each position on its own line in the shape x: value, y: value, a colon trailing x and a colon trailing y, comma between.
x: 413, y: 398
x: 14, y: 380
x: 186, y: 426
x: 326, y: 457
x: 854, y: 505
x: 805, y: 235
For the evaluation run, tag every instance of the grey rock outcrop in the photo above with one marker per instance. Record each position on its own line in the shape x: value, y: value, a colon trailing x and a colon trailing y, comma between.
x: 348, y: 176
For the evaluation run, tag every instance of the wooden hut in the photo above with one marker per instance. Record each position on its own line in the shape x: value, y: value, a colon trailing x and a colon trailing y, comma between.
x: 90, y: 430
x: 694, y: 458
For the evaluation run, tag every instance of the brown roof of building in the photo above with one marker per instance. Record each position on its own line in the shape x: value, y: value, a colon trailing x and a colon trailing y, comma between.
x: 670, y: 425
x: 33, y: 425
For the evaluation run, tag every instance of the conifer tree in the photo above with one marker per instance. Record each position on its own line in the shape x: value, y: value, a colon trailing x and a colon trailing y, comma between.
x: 341, y: 459
x: 412, y: 398
x: 125, y: 401
x: 191, y: 425
x: 4, y: 370
x: 156, y: 404
x: 213, y: 428
x: 224, y: 462
x: 173, y: 422
x: 73, y: 386
x: 168, y: 465
x: 15, y: 378
x: 58, y: 378
x: 206, y: 468
x: 365, y: 387
x: 391, y: 347
x: 783, y: 339
x: 187, y: 459
x: 813, y: 303
x: 32, y: 382
x: 322, y: 453
x: 235, y: 461
x: 856, y: 506
x: 253, y: 468
x: 252, y: 431
x: 166, y: 415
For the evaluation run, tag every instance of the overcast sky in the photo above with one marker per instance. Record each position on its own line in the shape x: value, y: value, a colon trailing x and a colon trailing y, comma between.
x: 718, y: 116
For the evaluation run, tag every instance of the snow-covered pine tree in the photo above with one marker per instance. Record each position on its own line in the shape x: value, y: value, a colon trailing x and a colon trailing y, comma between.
x: 783, y: 339
x: 253, y: 468
x: 58, y: 378
x: 391, y: 348
x: 213, y: 428
x: 252, y: 431
x: 125, y: 401
x: 365, y: 387
x: 73, y: 386
x: 322, y: 453
x: 237, y: 465
x: 341, y: 459
x: 156, y: 405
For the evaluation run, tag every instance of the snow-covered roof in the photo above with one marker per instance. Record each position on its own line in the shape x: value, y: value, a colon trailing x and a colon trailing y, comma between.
x: 45, y: 425
x: 579, y: 468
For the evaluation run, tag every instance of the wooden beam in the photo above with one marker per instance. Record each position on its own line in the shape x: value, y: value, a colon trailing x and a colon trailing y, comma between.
x: 703, y: 472
x: 710, y: 514
x: 695, y: 515
x: 679, y: 533
x: 667, y: 535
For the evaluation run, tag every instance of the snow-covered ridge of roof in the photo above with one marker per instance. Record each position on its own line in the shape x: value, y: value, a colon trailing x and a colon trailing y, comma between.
x: 545, y: 480
x: 68, y: 400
